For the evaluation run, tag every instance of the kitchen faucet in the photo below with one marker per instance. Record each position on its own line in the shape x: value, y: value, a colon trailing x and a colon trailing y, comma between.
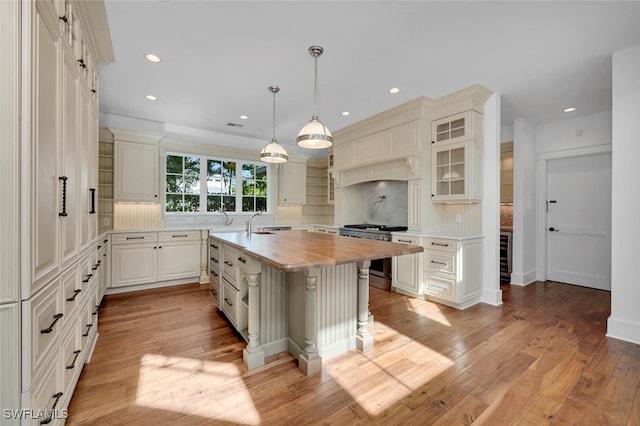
x: 258, y: 213
x: 227, y: 222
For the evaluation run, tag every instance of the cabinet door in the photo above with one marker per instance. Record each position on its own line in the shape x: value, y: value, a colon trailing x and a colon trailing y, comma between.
x: 179, y: 260
x: 292, y: 182
x: 133, y: 264
x: 136, y: 172
x: 406, y: 269
x: 457, y: 172
x: 46, y: 187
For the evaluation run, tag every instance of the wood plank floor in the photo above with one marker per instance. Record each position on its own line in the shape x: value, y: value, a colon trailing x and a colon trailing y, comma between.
x: 165, y: 356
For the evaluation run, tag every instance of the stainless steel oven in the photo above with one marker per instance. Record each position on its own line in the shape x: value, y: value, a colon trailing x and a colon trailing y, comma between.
x: 380, y: 269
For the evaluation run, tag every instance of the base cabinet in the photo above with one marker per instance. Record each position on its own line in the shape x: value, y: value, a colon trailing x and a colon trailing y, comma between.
x: 150, y: 257
x: 453, y: 271
x: 406, y: 270
x: 234, y: 299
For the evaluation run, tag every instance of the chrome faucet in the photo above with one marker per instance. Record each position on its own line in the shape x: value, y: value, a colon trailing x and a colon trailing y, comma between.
x: 227, y: 222
x: 249, y: 222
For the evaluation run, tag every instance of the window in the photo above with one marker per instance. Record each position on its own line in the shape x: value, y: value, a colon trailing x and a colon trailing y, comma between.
x: 203, y: 184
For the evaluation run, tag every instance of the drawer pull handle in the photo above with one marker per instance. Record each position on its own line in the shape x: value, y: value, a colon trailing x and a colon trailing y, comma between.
x: 88, y: 329
x: 405, y: 241
x: 214, y: 260
x: 75, y: 293
x: 242, y: 259
x: 439, y: 263
x: 93, y: 201
x: 214, y: 246
x: 180, y: 236
x: 49, y: 329
x: 57, y: 396
x: 64, y: 196
x: 95, y: 267
x: 96, y: 311
x: 440, y: 244
x: 227, y: 301
x: 215, y: 274
x: 75, y: 358
x: 99, y: 247
x: 213, y: 293
x: 105, y: 241
x: 226, y: 262
x: 86, y: 280
x: 135, y: 238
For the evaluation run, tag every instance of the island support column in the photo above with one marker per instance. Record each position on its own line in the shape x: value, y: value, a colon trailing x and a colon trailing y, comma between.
x: 253, y: 355
x: 310, y: 362
x: 364, y: 339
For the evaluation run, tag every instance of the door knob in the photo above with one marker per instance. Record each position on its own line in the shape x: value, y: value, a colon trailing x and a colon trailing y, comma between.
x: 552, y: 229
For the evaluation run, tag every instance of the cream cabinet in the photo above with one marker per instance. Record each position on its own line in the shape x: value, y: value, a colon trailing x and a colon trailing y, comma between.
x: 407, y: 270
x: 292, y: 183
x: 456, y: 155
x: 215, y: 256
x: 150, y: 257
x: 234, y: 287
x: 453, y: 271
x: 135, y: 171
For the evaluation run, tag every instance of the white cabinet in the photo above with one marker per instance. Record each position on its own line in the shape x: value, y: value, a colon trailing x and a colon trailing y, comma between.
x: 406, y: 270
x: 178, y: 255
x: 135, y: 171
x: 292, y: 183
x: 215, y: 256
x: 456, y: 156
x: 453, y: 271
x: 327, y: 229
x: 149, y: 257
x: 234, y: 286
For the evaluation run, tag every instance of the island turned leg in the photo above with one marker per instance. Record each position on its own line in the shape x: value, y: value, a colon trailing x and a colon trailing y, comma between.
x: 253, y: 355
x: 364, y: 339
x: 310, y: 362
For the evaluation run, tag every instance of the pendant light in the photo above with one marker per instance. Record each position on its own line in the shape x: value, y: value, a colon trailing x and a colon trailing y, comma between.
x: 273, y: 152
x: 315, y: 135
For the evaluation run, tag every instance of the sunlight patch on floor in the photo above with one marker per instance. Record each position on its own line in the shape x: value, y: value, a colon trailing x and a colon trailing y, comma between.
x: 380, y: 382
x: 182, y: 384
x: 435, y: 314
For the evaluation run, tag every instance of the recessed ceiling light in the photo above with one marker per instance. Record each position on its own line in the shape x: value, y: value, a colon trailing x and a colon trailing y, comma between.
x: 394, y: 90
x: 571, y: 109
x: 243, y: 117
x: 152, y: 58
x: 345, y: 113
x: 151, y: 97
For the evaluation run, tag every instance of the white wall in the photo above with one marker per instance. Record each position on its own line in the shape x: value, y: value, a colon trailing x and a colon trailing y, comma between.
x: 572, y: 133
x: 624, y: 322
x: 524, y: 202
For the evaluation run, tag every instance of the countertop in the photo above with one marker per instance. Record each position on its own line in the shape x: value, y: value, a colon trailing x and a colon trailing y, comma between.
x: 440, y: 234
x: 297, y: 250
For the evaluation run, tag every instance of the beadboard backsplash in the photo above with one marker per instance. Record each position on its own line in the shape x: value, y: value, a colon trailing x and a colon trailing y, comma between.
x: 136, y: 216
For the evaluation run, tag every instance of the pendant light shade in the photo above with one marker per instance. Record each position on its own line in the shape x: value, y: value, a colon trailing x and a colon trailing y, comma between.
x: 273, y: 152
x: 315, y: 135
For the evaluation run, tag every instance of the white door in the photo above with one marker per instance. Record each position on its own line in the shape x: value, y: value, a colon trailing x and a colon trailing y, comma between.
x: 579, y: 220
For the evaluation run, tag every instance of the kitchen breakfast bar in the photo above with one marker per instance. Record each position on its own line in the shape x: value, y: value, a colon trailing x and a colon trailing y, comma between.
x: 302, y: 292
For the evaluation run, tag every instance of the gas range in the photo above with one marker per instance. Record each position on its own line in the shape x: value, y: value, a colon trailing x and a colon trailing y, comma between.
x: 370, y: 231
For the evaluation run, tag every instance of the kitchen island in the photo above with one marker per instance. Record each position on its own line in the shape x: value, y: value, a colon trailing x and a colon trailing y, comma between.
x: 302, y: 292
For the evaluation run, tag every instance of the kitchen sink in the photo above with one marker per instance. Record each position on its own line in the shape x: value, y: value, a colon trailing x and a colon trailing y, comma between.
x: 262, y: 232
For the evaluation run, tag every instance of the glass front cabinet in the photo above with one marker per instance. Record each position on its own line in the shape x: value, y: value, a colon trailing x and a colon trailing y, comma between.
x: 457, y: 158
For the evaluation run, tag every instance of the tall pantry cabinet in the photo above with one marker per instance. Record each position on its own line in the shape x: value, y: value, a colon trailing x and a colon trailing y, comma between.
x: 50, y: 266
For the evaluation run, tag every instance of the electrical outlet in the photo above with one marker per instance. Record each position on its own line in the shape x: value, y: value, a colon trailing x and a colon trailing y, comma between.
x: 458, y: 217
x: 105, y: 221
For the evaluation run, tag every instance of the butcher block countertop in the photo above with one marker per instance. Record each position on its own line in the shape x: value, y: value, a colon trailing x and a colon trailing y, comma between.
x: 291, y: 251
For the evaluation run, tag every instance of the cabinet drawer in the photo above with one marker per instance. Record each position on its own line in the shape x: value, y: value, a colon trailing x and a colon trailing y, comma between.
x: 440, y: 262
x: 230, y: 264
x: 42, y: 328
x: 134, y: 237
x: 71, y: 291
x: 214, y: 291
x: 405, y: 239
x: 46, y: 396
x: 72, y: 358
x: 178, y: 235
x: 441, y: 287
x: 441, y: 244
x: 230, y: 301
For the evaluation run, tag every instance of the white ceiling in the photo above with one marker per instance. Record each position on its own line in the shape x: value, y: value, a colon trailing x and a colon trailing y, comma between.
x: 219, y: 57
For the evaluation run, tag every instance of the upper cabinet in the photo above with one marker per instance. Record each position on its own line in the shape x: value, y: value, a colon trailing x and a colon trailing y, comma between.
x: 292, y: 183
x: 136, y: 171
x: 456, y: 156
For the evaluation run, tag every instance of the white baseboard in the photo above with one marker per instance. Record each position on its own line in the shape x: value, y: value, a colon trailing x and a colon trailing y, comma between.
x: 159, y: 284
x: 523, y: 279
x: 623, y: 330
x: 492, y: 297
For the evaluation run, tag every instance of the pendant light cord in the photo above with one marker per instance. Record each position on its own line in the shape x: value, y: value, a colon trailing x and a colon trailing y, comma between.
x: 274, y: 116
x: 315, y: 88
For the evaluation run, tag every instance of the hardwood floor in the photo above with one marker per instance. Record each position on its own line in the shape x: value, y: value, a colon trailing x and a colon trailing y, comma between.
x: 165, y: 356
